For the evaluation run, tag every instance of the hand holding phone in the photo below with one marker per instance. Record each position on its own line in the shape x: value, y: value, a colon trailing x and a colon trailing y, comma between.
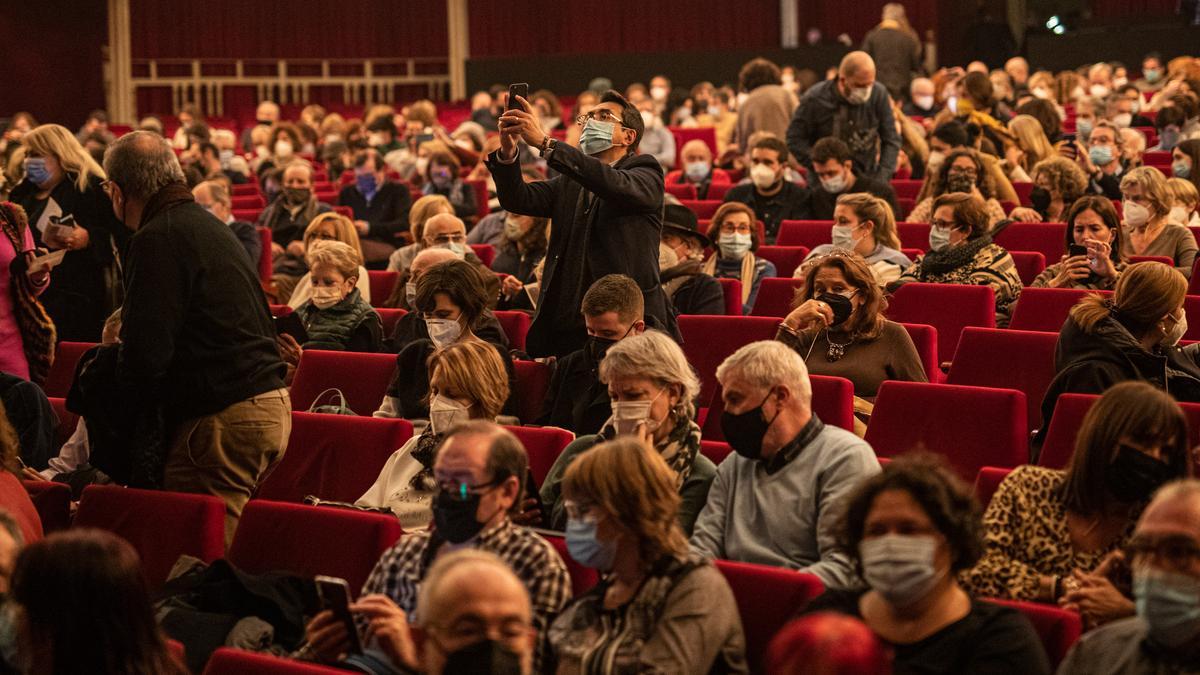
x: 514, y: 90
x: 334, y: 594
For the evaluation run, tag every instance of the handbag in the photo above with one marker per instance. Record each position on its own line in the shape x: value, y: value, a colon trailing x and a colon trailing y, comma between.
x: 338, y: 405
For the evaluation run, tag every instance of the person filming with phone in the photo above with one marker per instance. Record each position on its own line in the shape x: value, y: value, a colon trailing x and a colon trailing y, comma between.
x: 605, y: 205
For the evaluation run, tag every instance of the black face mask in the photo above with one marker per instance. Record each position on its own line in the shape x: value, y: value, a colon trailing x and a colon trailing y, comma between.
x: 745, y: 432
x: 841, y: 306
x: 486, y: 657
x: 597, y: 347
x: 1040, y: 198
x: 455, y: 519
x: 1133, y: 475
x: 957, y: 182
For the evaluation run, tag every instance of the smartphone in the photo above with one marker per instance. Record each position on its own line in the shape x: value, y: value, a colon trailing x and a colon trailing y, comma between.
x: 334, y: 594
x: 514, y: 90
x: 1076, y: 249
x: 291, y: 324
x: 424, y: 138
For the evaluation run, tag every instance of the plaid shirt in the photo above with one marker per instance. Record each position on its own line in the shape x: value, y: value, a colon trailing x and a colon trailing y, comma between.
x: 399, y: 572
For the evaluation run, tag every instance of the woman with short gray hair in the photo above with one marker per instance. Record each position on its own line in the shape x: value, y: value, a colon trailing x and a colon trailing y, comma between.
x: 653, y: 392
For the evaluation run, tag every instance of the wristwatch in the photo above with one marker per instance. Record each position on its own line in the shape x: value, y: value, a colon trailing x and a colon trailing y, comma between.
x: 547, y: 145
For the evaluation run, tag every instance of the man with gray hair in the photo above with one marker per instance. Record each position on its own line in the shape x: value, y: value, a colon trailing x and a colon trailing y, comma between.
x: 776, y: 501
x: 852, y: 107
x: 197, y: 340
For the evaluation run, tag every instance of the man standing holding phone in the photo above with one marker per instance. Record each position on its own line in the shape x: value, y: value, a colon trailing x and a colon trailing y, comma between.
x: 606, y: 210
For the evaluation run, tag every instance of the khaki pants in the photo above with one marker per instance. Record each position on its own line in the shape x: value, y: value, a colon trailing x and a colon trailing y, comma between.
x: 226, y: 454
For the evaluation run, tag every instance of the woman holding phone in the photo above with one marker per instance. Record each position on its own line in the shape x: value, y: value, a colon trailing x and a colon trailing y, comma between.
x: 1094, y: 259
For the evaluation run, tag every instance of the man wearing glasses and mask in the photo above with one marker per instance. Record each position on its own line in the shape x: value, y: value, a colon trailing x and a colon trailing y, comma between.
x: 606, y: 208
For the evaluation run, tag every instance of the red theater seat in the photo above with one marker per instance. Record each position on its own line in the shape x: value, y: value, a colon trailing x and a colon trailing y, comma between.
x: 716, y: 451
x: 971, y: 427
x: 767, y: 597
x: 732, y: 289
x: 987, y: 482
x: 925, y: 339
x: 543, y: 445
x: 709, y: 340
x: 1058, y: 628
x: 1046, y: 309
x: 775, y: 297
x: 362, y: 378
x: 161, y: 526
x: 230, y: 661
x: 832, y: 401
x: 334, y: 457
x: 311, y: 540
x: 1023, y: 191
x: 947, y: 307
x: 382, y: 284
x: 485, y: 252
x: 681, y: 191
x: 785, y: 258
x: 1059, y: 443
x: 1049, y: 239
x: 913, y: 235
x: 717, y: 190
x: 703, y: 208
x: 1013, y: 359
x: 683, y: 135
x: 1029, y: 264
x: 807, y: 233
x: 67, y: 421
x: 62, y: 371
x: 253, y: 201
x: 907, y: 189
x: 53, y: 503
x: 533, y: 381
x: 389, y: 317
x: 516, y: 326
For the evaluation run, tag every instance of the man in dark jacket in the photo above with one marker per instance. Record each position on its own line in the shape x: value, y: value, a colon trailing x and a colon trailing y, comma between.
x: 606, y: 205
x: 380, y: 207
x: 196, y: 338
x: 691, y: 290
x: 773, y: 197
x: 213, y: 196
x: 835, y: 176
x: 855, y: 108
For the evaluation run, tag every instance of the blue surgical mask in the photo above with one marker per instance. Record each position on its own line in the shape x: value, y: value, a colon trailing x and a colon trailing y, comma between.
x: 1100, y: 154
x: 939, y: 239
x: 1152, y: 74
x: 366, y: 183
x: 1181, y: 169
x: 586, y: 549
x: 1169, y: 603
x: 1084, y: 127
x: 696, y: 171
x: 1168, y: 137
x: 734, y: 246
x: 596, y: 137
x: 35, y: 169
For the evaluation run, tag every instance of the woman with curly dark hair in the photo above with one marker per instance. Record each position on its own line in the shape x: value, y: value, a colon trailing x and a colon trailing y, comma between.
x: 963, y: 171
x: 910, y: 530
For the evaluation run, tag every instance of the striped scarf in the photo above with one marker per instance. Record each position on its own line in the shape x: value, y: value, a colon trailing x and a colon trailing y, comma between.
x: 38, y: 335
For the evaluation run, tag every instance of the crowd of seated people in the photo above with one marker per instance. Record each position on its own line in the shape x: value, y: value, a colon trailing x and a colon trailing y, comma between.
x: 618, y: 227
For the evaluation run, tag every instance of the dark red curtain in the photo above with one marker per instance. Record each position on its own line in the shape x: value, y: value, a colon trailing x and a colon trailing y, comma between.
x: 505, y: 28
x: 1132, y: 9
x: 856, y: 17
x: 287, y: 29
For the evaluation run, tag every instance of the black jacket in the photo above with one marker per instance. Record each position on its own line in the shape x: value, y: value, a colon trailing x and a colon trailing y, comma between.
x: 607, y: 220
x: 822, y: 202
x: 793, y: 202
x: 699, y: 294
x: 869, y: 129
x: 387, y: 213
x: 31, y: 417
x: 576, y: 400
x: 248, y: 235
x: 196, y: 332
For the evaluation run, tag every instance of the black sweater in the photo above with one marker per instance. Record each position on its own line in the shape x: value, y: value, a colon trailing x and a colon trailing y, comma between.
x: 387, y: 213
x: 197, y: 335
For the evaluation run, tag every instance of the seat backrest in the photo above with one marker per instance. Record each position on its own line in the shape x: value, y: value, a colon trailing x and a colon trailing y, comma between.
x: 62, y: 371
x: 732, y: 290
x: 1049, y: 239
x: 583, y: 578
x: 947, y: 307
x: 486, y: 253
x: 53, y: 503
x: 362, y: 378
x: 279, y: 310
x: 231, y: 661
x: 832, y: 401
x: 390, y: 316
x: 516, y: 326
x: 1023, y: 190
x: 913, y: 235
x: 1057, y: 628
x: 807, y: 233
x: 1029, y: 264
x: 543, y: 445
x: 987, y: 481
x: 319, y: 461
x: 969, y: 426
x: 716, y: 451
x: 382, y: 283
x: 1059, y: 443
x: 1013, y: 359
x: 1046, y: 309
x: 767, y: 597
x: 311, y: 540
x: 775, y: 297
x: 709, y: 340
x: 480, y: 188
x: 683, y: 135
x: 67, y: 421
x: 785, y: 258
x: 1191, y: 307
x: 681, y: 191
x: 264, y: 256
x: 533, y: 381
x: 718, y: 190
x: 160, y: 525
x: 1166, y: 260
x: 908, y: 189
x: 703, y: 208
x: 925, y: 339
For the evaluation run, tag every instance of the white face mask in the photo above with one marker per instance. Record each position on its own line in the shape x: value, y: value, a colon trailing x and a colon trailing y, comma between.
x: 444, y: 413
x: 422, y: 165
x: 512, y: 229
x: 627, y: 415
x: 648, y: 118
x: 659, y: 94
x: 859, y: 95
x: 283, y: 148
x: 834, y: 184
x: 899, y: 567
x: 1122, y: 120
x: 457, y: 248
x: 1041, y: 92
x: 443, y: 332
x: 843, y: 237
x: 1098, y: 90
x: 923, y: 102
x: 1136, y: 215
x: 1175, y: 333
x: 762, y: 176
x: 1179, y: 215
x: 734, y: 246
x: 325, y: 297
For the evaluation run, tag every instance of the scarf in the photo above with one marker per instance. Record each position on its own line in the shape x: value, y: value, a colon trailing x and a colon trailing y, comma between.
x: 941, y: 262
x: 38, y: 334
x: 424, y: 453
x: 679, y: 449
x: 674, y: 277
x: 746, y: 273
x: 169, y: 195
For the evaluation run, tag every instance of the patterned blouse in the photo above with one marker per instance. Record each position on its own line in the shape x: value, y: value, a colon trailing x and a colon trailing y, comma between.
x: 991, y: 266
x: 1092, y: 284
x: 1026, y: 538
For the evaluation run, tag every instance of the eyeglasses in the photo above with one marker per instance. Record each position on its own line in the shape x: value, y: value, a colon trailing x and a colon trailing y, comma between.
x: 448, y: 238
x: 1176, y: 552
x: 580, y: 510
x: 463, y: 492
x: 970, y: 173
x: 944, y: 224
x: 727, y: 228
x: 599, y: 115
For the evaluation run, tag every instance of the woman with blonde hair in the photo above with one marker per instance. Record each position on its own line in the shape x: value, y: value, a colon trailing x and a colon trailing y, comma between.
x: 1185, y: 199
x: 1146, y: 203
x: 1031, y: 145
x: 331, y: 226
x: 66, y: 208
x: 864, y: 224
x: 421, y: 211
x: 467, y: 381
x: 658, y: 607
x: 735, y: 233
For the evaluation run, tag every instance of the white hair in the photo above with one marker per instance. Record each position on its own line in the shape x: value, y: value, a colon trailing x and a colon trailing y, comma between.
x: 766, y: 364
x: 428, y: 601
x: 655, y: 356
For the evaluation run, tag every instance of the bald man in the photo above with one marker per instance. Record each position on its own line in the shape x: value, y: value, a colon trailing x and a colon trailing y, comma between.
x: 856, y: 109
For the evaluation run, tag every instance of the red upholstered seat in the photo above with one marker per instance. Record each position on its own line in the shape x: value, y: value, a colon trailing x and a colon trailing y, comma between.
x: 832, y: 401
x: 905, y: 206
x: 681, y: 191
x: 970, y: 426
x: 254, y: 201
x: 1029, y: 264
x: 907, y: 189
x: 683, y: 135
x: 543, y: 445
x: 480, y: 188
x: 334, y: 457
x: 1013, y: 359
x: 716, y: 451
x: 382, y: 284
x: 1166, y: 260
x: 279, y: 310
x: 533, y: 381
x: 67, y: 421
x: 389, y: 316
x: 53, y: 503
x: 340, y: 210
x: 767, y: 597
x: 775, y: 297
x: 243, y: 189
x: 785, y: 258
x: 265, y: 268
x: 1049, y: 239
x: 703, y: 208
x: 161, y: 526
x: 362, y: 378
x: 1046, y: 309
x: 732, y: 289
x: 1059, y: 443
x: 709, y: 340
x: 516, y: 326
x: 1023, y: 190
x: 925, y: 339
x: 248, y: 215
x: 485, y: 252
x: 718, y: 190
x: 62, y: 371
x: 311, y: 540
x: 913, y: 235
x: 1058, y: 628
x: 582, y: 578
x: 809, y: 233
x: 987, y: 481
x: 230, y: 661
x: 947, y: 307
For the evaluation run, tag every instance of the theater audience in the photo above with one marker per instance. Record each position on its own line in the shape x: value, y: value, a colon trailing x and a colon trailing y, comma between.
x: 962, y: 171
x: 658, y: 607
x: 834, y: 169
x: 422, y: 210
x: 784, y: 454
x: 293, y: 209
x: 1164, y: 557
x: 911, y: 530
x: 27, y: 333
x: 698, y: 169
x: 652, y: 389
x: 955, y: 135
x: 328, y: 226
x: 838, y: 327
x: 767, y: 106
x: 478, y: 476
x: 411, y: 326
x: 689, y: 288
x: 769, y: 193
x: 1184, y: 201
x: 1057, y: 183
x: 95, y: 579
x: 1146, y: 205
x: 736, y: 236
x: 1092, y: 224
x: 864, y: 224
x: 380, y: 207
x: 442, y: 179
x: 214, y: 197
x: 1050, y: 534
x: 335, y: 317
x: 893, y: 44
x: 525, y: 239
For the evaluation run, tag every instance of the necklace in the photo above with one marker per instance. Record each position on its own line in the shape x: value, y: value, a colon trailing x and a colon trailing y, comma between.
x: 836, y: 351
